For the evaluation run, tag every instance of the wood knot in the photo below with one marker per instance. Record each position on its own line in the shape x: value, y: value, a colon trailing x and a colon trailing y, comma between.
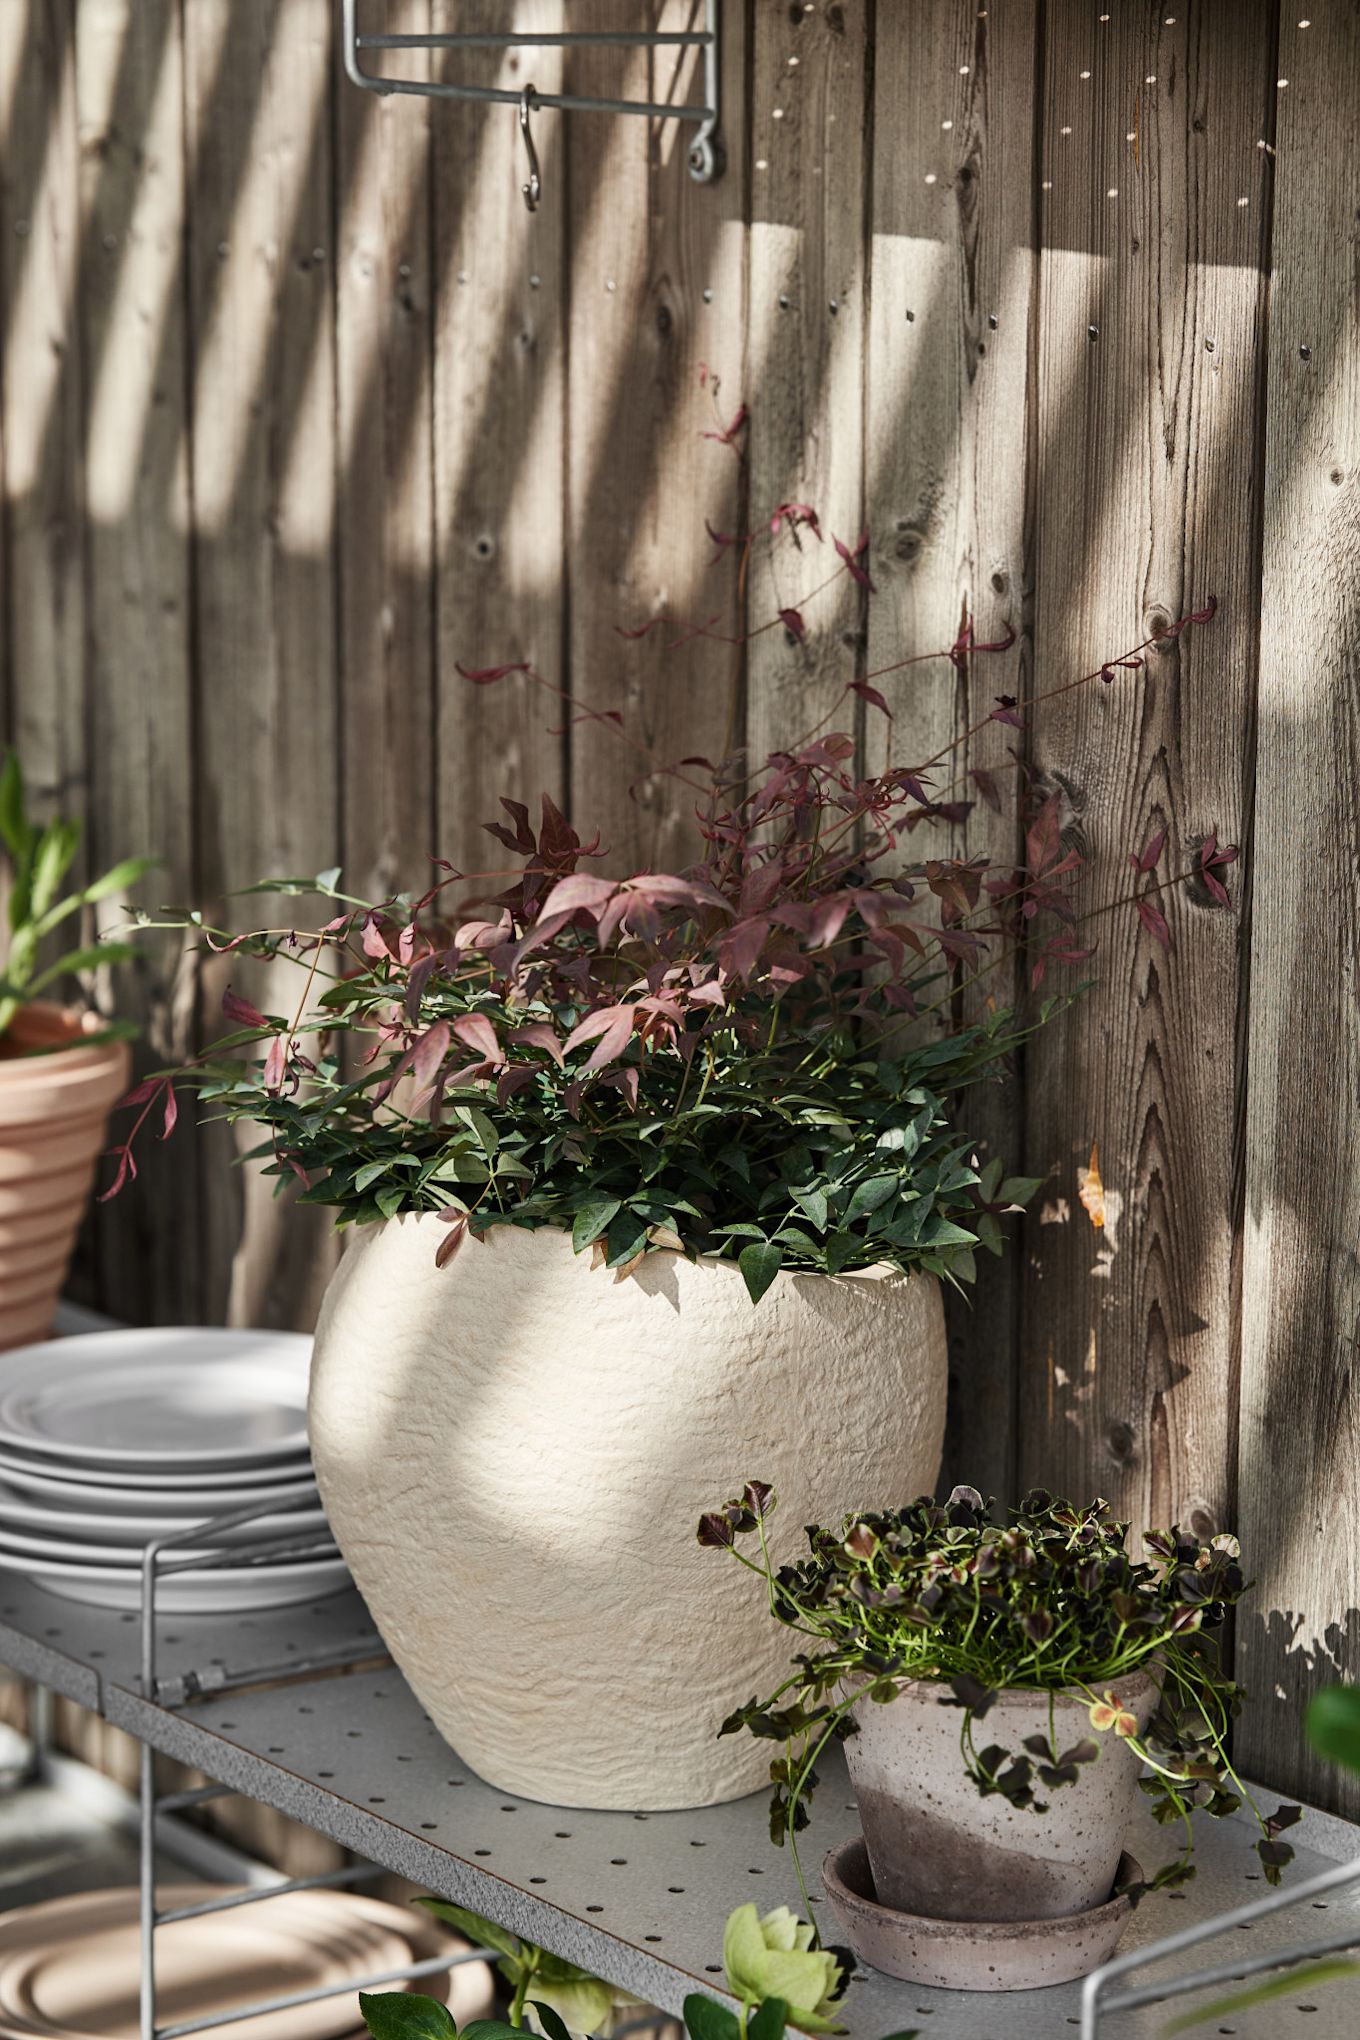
x: 1119, y: 1443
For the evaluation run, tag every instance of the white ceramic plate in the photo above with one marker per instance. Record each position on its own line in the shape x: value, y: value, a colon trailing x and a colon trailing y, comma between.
x: 158, y: 1400
x: 176, y: 1488
x: 69, y: 1968
x: 25, y: 1544
x: 239, y: 1589
x: 20, y: 1514
x: 191, y: 1495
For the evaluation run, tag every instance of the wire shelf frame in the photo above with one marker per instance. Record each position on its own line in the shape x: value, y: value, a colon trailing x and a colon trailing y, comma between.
x: 705, y: 154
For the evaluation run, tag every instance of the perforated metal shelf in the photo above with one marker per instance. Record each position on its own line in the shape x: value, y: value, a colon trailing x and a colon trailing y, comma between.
x: 640, y: 1899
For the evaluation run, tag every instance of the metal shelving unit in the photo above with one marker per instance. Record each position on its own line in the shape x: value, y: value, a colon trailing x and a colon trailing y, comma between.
x: 638, y: 1898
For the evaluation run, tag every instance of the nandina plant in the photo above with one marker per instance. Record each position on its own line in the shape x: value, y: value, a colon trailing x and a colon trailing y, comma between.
x: 756, y: 1057
x: 1045, y: 1597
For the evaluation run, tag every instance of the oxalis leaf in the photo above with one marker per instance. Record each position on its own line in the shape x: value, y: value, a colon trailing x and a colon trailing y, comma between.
x: 759, y: 1265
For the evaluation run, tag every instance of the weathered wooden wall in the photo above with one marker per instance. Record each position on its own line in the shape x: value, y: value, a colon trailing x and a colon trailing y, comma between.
x: 299, y: 408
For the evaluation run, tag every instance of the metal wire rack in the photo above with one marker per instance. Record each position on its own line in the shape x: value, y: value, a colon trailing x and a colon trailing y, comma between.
x: 300, y: 1709
x: 705, y: 154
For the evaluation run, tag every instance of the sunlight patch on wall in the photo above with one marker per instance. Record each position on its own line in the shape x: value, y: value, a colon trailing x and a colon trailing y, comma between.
x: 39, y: 334
x: 234, y: 359
x: 149, y: 272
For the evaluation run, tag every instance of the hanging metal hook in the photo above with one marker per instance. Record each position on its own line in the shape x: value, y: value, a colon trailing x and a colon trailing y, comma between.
x: 533, y: 190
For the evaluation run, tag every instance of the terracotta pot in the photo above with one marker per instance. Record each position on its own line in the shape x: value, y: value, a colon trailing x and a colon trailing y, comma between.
x: 53, y: 1113
x: 937, y: 1847
x: 514, y: 1452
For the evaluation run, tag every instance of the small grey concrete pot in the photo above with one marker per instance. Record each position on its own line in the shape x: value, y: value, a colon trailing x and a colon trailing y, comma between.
x: 937, y: 1847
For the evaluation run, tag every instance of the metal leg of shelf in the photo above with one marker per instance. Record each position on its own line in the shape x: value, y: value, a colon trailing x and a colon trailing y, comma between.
x: 1094, y: 2004
x: 147, y: 1890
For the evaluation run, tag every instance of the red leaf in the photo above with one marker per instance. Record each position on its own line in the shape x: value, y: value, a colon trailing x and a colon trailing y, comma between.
x: 538, y: 1034
x: 727, y: 436
x: 433, y: 1046
x: 985, y: 782
x: 871, y: 695
x: 1154, y: 921
x: 241, y: 1011
x: 794, y: 514
x: 1043, y: 838
x: 793, y: 623
x: 451, y: 1242
x: 722, y: 539
x: 485, y: 675
x: 596, y: 1024
x: 276, y: 1063
x: 223, y: 948
x: 1147, y: 860
x: 127, y: 1171
x: 1005, y: 711
x: 997, y: 644
x: 576, y: 893
x: 852, y: 561
x: 513, y: 1078
x: 139, y: 1094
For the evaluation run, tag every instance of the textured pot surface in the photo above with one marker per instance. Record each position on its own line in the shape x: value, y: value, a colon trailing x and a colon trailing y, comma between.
x: 53, y: 1114
x: 936, y: 1846
x: 968, y: 1954
x: 514, y: 1452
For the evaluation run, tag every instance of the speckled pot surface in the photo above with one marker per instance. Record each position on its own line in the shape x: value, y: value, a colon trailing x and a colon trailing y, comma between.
x: 968, y: 1954
x: 514, y: 1451
x: 937, y: 1847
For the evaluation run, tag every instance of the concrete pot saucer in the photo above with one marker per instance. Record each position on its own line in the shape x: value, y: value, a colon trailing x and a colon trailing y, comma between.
x: 969, y: 1954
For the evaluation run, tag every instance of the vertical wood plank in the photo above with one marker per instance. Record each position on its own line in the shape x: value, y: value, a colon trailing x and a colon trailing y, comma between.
x: 43, y: 404
x: 262, y: 338
x: 130, y: 99
x: 384, y: 459
x: 1300, y: 1464
x: 811, y: 98
x: 498, y: 381
x: 657, y: 290
x: 1149, y: 377
x: 946, y: 438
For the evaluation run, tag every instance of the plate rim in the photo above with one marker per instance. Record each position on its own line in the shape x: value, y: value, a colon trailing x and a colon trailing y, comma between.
x: 144, y: 1345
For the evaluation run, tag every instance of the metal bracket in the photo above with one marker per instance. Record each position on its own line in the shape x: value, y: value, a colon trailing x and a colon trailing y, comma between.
x: 705, y: 155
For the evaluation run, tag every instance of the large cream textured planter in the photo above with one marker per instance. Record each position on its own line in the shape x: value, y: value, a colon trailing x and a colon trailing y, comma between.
x: 514, y: 1451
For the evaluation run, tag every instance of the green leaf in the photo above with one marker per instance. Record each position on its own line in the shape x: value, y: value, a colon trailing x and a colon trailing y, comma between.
x: 390, y: 1200
x: 1332, y: 1725
x: 839, y: 1247
x: 706, y: 2019
x: 491, y: 2029
x: 1018, y: 1189
x: 119, y: 878
x: 759, y: 1265
x: 870, y: 1194
x: 768, y: 2021
x: 52, y: 859
x: 95, y: 957
x: 481, y: 1932
x: 15, y: 827
x: 405, y: 2015
x: 813, y: 1202
x: 551, y: 2020
x: 592, y: 1219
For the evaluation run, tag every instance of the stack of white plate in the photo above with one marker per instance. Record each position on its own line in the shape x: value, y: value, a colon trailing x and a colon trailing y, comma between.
x: 69, y: 1967
x: 111, y: 1439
